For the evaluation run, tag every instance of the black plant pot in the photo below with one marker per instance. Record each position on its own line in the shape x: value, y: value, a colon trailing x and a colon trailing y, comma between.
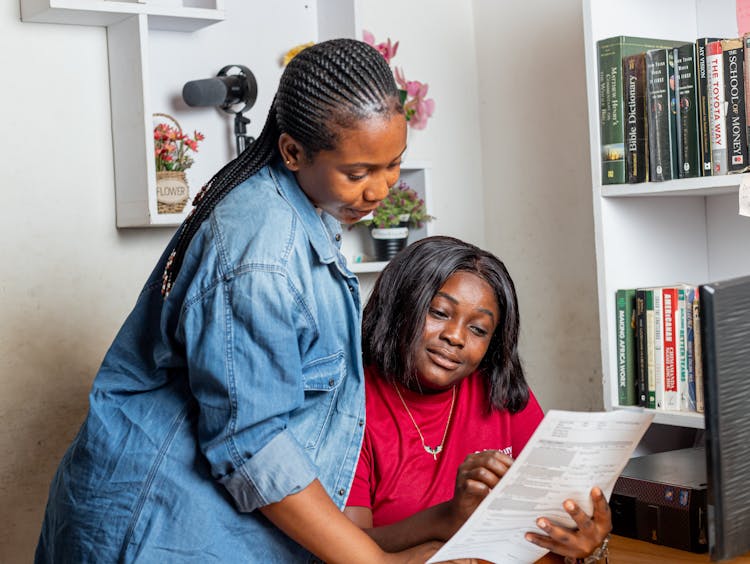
x: 388, y: 242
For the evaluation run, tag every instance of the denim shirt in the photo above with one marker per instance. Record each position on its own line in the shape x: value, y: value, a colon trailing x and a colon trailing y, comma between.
x: 240, y: 388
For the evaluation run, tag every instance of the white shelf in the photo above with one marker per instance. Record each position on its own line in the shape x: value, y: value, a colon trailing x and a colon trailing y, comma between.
x: 706, y: 186
x: 658, y: 233
x: 676, y: 418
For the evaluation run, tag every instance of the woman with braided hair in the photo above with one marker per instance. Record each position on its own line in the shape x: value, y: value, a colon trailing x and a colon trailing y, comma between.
x: 226, y: 419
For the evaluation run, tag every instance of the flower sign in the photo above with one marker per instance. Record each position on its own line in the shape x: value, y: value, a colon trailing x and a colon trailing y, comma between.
x: 172, y: 156
x: 417, y: 106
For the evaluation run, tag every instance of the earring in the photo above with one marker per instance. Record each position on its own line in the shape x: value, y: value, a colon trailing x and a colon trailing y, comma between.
x: 288, y: 162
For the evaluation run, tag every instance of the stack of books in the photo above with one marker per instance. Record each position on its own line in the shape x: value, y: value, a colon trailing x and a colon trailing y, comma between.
x: 659, y: 360
x: 672, y: 109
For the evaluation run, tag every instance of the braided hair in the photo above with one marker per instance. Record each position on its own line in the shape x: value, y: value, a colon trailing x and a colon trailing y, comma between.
x: 327, y: 87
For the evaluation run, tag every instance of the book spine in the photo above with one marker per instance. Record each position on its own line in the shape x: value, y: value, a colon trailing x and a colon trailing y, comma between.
x: 698, y: 354
x: 690, y: 344
x: 650, y: 350
x: 703, y: 103
x: 625, y: 309
x: 610, y: 110
x: 746, y: 69
x: 681, y: 350
x: 658, y: 349
x: 669, y: 311
x: 734, y: 93
x: 717, y: 112
x: 634, y: 96
x: 688, y: 140
x: 659, y: 114
x: 641, y: 348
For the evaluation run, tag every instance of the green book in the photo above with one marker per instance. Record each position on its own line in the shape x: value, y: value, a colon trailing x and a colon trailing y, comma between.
x: 687, y: 120
x: 611, y: 112
x: 626, y: 361
x: 650, y: 350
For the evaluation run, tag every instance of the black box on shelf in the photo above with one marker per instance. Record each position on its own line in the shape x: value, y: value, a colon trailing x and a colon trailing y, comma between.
x: 661, y: 498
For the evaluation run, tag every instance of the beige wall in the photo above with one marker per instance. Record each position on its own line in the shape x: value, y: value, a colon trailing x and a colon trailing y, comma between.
x: 537, y: 199
x: 69, y: 276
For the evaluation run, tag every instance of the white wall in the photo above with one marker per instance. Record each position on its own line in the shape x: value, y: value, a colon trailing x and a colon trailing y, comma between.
x: 537, y: 199
x: 69, y: 276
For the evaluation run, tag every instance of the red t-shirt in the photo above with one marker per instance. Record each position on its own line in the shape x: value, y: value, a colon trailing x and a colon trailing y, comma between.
x: 395, y: 476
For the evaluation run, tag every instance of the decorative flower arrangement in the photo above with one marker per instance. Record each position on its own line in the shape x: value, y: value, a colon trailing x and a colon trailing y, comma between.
x: 417, y: 106
x: 401, y: 201
x: 172, y: 147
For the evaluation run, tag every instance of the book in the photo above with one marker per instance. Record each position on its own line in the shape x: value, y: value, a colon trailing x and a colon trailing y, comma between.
x: 698, y: 354
x: 746, y: 46
x: 733, y: 54
x: 610, y: 52
x: 625, y: 316
x: 717, y: 111
x: 690, y: 336
x: 681, y: 349
x: 669, y: 332
x: 703, y: 102
x: 650, y: 350
x: 658, y: 349
x: 660, y: 114
x: 636, y: 137
x: 641, y: 348
x: 687, y: 126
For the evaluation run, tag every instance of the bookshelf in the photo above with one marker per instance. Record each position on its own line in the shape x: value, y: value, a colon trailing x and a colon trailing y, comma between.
x: 664, y: 233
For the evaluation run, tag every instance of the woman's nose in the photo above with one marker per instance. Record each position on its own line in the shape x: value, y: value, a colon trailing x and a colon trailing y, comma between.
x: 453, y: 335
x: 377, y: 189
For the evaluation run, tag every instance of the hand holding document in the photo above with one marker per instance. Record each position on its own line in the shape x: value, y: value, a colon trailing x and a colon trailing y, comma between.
x: 569, y: 453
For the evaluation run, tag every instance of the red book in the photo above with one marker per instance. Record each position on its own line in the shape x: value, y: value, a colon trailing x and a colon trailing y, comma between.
x: 670, y: 331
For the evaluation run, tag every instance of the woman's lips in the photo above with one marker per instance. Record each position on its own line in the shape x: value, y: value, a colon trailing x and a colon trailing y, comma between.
x: 444, y: 359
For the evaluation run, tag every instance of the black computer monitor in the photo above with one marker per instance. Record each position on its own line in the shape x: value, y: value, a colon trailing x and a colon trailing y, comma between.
x: 725, y: 332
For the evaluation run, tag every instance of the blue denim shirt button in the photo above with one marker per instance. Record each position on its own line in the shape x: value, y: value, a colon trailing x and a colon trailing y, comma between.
x: 342, y: 491
x: 361, y: 422
x: 351, y: 288
x: 331, y: 382
x: 338, y: 236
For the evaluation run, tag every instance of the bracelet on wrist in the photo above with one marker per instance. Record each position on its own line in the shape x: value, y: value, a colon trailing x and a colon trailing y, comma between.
x: 599, y: 556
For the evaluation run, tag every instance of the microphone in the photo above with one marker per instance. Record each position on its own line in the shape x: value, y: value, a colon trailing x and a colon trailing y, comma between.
x: 225, y: 90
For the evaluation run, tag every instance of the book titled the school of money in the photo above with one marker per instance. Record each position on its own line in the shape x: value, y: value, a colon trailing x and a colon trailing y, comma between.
x: 569, y: 453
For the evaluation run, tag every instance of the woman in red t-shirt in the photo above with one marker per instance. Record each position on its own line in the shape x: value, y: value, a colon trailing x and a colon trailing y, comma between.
x: 448, y: 406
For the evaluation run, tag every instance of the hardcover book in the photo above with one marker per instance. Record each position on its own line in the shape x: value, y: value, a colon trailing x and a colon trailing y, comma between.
x: 716, y: 111
x: 658, y: 349
x: 690, y: 294
x: 681, y: 349
x: 636, y: 137
x: 698, y: 354
x: 661, y: 111
x: 641, y: 348
x: 611, y: 113
x: 703, y: 102
x: 688, y: 139
x: 625, y: 331
x: 650, y: 350
x: 670, y: 328
x: 733, y: 53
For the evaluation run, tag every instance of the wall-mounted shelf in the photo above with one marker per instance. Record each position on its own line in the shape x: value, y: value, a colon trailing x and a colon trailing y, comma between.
x: 142, y: 83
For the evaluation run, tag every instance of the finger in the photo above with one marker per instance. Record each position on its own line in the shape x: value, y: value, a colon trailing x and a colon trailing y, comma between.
x: 487, y: 476
x: 584, y: 522
x: 602, y: 513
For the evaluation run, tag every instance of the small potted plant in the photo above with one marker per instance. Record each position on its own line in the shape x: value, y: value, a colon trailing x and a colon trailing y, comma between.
x: 389, y: 226
x: 172, y: 156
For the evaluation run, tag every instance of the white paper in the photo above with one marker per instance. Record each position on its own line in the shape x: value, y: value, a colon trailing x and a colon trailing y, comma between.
x: 569, y: 453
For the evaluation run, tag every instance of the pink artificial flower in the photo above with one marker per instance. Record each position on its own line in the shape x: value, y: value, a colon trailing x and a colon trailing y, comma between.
x: 387, y: 49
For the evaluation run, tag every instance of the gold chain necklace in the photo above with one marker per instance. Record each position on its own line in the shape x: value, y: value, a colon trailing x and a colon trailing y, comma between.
x: 438, y: 449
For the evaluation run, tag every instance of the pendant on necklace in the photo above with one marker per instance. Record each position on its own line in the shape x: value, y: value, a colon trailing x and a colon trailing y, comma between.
x: 433, y: 451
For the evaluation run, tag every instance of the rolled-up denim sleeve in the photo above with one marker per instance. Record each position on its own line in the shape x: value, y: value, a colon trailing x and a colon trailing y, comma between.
x: 245, y: 370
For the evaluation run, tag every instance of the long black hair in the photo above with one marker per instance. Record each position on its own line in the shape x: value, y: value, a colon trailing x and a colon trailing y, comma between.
x: 327, y: 87
x: 395, y: 315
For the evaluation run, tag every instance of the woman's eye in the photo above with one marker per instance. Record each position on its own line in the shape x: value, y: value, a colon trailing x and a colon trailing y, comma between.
x: 394, y: 165
x: 356, y: 177
x: 479, y: 331
x: 437, y: 313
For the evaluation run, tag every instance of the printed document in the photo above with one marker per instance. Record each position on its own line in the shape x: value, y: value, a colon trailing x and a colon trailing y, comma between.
x: 569, y: 453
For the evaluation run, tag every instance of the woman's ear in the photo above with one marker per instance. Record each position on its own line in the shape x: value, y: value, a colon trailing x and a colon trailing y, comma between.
x: 291, y: 151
